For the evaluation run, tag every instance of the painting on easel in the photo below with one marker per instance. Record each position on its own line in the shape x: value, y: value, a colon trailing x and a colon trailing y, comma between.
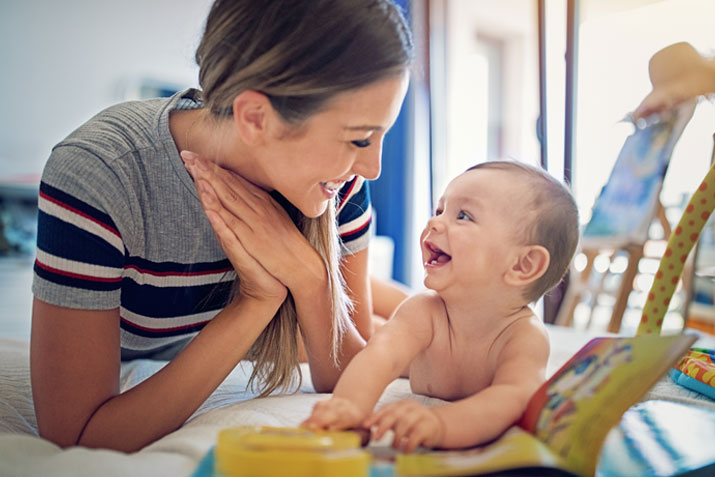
x: 628, y: 203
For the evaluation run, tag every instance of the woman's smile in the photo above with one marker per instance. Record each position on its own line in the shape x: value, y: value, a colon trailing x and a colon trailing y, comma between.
x: 331, y: 188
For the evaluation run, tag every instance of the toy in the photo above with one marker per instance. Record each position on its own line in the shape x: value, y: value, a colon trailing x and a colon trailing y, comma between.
x: 696, y: 370
x: 269, y: 451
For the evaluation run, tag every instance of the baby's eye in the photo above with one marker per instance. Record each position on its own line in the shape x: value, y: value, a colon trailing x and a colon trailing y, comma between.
x: 437, y: 212
x: 361, y: 142
x: 462, y: 215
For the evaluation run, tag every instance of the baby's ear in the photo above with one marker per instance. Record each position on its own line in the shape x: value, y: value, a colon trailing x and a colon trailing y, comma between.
x: 529, y: 264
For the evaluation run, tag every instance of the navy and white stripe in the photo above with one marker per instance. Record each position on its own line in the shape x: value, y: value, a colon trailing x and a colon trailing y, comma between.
x: 354, y: 211
x: 77, y: 245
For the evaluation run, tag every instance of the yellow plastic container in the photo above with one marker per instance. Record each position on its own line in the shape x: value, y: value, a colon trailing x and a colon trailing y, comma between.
x: 258, y: 451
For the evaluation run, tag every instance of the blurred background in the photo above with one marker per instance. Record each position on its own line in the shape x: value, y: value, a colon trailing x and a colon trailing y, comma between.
x: 542, y: 82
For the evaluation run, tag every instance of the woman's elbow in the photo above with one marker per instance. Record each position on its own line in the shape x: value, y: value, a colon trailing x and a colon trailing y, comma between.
x: 57, y: 435
x: 323, y: 385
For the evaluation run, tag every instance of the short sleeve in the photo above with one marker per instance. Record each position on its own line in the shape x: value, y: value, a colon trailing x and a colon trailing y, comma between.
x: 354, y: 215
x: 80, y: 249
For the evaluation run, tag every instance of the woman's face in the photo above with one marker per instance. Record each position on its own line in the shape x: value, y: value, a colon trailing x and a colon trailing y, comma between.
x: 309, y: 167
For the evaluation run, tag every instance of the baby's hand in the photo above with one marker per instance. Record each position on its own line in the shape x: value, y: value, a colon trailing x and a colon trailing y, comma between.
x: 334, y: 414
x: 412, y: 423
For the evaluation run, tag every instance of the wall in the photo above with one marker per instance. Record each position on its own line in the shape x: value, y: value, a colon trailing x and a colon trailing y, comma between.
x: 64, y: 61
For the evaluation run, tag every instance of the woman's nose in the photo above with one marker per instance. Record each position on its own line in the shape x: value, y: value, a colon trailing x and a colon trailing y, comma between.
x: 368, y: 162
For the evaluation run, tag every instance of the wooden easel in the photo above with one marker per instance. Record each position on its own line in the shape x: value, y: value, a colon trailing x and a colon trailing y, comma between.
x: 580, y: 283
x: 642, y: 145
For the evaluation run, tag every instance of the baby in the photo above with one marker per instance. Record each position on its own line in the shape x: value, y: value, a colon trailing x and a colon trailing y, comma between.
x: 503, y: 234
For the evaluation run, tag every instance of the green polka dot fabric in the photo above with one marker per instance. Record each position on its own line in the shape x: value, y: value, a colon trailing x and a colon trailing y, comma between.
x: 681, y: 241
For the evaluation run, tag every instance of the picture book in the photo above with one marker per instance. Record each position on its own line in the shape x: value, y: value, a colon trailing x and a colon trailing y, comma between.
x: 627, y: 203
x: 567, y: 420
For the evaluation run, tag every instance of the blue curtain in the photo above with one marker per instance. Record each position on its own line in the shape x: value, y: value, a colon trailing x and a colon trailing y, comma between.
x: 389, y: 190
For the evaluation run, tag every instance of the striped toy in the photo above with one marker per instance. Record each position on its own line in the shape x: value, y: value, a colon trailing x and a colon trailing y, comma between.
x: 696, y: 370
x: 681, y: 241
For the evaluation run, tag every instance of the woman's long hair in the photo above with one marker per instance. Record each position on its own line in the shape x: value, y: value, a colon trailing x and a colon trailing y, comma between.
x: 301, y: 55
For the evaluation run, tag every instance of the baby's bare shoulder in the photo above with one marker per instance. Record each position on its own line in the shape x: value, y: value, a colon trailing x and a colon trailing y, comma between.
x: 415, y: 316
x: 522, y: 355
x: 526, y: 335
x: 426, y: 303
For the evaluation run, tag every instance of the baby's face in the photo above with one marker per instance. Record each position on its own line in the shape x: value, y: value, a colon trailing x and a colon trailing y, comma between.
x: 468, y: 241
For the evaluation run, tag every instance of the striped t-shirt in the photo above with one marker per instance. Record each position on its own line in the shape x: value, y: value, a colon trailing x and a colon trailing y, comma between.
x: 120, y: 226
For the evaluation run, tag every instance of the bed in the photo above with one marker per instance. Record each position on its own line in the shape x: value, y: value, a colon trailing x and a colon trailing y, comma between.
x: 23, y: 453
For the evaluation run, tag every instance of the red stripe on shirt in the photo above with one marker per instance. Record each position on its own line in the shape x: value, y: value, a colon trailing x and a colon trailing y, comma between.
x: 80, y: 213
x: 354, y: 231
x: 76, y: 275
x: 347, y: 194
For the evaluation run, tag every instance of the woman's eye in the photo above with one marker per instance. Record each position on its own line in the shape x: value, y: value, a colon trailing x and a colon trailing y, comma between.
x: 462, y: 215
x: 361, y: 143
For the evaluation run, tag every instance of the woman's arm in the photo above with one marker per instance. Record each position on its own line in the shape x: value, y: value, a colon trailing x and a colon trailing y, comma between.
x: 75, y: 362
x: 313, y: 306
x: 387, y: 296
x: 354, y: 269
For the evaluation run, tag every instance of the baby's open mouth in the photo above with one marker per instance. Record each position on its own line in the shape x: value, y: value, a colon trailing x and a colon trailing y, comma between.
x: 437, y: 256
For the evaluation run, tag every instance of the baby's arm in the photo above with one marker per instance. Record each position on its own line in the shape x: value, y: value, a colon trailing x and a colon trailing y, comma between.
x: 520, y: 370
x: 384, y: 358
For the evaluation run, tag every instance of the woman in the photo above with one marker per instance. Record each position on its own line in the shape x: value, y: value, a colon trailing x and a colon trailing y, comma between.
x: 138, y: 258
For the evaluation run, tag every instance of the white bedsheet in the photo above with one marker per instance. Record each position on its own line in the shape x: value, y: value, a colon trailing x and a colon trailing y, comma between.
x: 23, y: 453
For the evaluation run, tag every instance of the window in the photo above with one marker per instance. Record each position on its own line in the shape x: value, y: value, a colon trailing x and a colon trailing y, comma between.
x: 485, y: 94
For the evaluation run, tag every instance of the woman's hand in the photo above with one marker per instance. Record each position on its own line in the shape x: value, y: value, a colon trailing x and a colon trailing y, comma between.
x: 678, y: 73
x: 233, y: 232
x: 261, y: 225
x: 412, y: 423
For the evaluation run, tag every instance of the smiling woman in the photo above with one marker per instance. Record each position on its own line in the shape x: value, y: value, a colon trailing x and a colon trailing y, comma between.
x: 274, y: 217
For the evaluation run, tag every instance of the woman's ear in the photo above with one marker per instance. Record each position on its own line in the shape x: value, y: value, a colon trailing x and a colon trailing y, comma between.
x: 250, y: 115
x: 529, y: 265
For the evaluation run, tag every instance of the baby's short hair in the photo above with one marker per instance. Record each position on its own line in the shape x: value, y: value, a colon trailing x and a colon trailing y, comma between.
x: 554, y: 221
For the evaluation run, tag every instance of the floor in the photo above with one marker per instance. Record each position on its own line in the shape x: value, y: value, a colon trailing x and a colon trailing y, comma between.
x: 15, y: 297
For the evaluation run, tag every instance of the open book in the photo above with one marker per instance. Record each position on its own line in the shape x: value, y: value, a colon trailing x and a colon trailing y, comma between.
x: 568, y: 418
x: 628, y: 203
